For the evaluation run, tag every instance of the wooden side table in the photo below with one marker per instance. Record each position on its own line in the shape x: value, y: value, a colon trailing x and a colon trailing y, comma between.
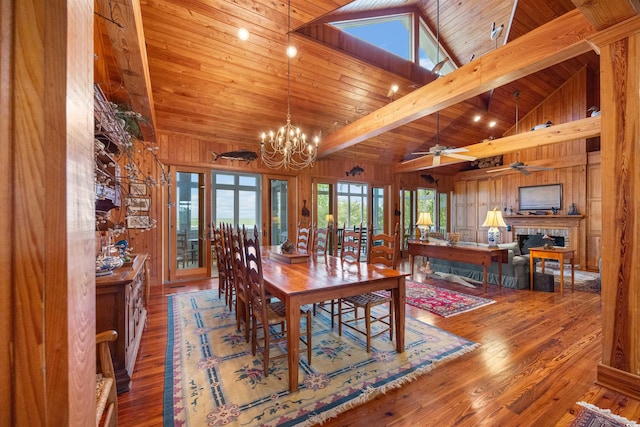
x: 557, y: 253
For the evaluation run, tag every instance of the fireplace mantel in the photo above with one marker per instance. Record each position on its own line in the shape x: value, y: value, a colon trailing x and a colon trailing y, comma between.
x: 544, y: 220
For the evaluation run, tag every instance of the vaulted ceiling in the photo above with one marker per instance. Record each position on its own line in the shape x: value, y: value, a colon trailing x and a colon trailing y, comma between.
x: 204, y: 82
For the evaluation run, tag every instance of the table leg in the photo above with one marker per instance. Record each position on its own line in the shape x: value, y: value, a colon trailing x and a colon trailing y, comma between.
x: 561, y: 273
x: 499, y: 273
x: 572, y: 273
x: 531, y: 269
x: 399, y: 296
x: 293, y: 341
x: 411, y: 264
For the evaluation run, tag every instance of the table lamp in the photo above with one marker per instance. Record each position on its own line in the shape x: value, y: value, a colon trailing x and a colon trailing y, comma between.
x: 493, y: 221
x: 424, y: 220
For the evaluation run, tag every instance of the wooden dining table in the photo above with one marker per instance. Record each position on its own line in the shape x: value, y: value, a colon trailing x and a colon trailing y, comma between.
x: 323, y: 279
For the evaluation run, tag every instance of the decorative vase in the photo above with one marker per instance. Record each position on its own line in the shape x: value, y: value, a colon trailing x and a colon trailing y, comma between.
x: 305, y: 211
x: 287, y: 247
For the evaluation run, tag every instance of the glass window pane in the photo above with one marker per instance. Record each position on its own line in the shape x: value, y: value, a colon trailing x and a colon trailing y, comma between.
x: 389, y: 33
x: 428, y: 52
x: 247, y: 180
x: 225, y: 202
x: 224, y: 179
x: 247, y: 209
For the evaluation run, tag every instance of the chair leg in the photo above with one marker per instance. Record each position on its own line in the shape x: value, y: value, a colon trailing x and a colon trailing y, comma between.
x: 367, y: 321
x: 266, y: 350
x: 391, y: 320
x: 309, y: 337
x: 340, y: 317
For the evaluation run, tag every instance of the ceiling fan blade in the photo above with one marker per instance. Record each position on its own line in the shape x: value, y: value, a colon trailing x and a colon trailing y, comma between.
x: 460, y: 156
x: 421, y: 153
x: 436, y: 160
x: 523, y: 171
x: 539, y: 168
x: 455, y: 150
x: 499, y: 170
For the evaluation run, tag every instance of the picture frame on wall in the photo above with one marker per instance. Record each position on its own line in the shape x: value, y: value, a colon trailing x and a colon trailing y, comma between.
x: 138, y: 204
x: 137, y: 189
x: 138, y: 221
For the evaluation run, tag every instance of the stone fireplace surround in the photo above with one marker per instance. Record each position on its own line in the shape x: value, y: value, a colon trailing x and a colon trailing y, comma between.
x: 565, y: 226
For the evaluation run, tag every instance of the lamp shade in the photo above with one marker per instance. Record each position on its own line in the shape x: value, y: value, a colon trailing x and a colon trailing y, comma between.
x: 425, y: 219
x: 494, y: 219
x: 329, y: 219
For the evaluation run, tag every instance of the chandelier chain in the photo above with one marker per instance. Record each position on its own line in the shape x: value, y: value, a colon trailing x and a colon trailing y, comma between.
x: 288, y: 148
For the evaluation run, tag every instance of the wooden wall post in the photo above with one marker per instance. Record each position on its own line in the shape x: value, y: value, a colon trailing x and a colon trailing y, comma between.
x: 48, y: 66
x: 620, y: 145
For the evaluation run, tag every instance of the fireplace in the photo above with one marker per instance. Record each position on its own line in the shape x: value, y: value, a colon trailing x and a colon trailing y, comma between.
x: 526, y: 241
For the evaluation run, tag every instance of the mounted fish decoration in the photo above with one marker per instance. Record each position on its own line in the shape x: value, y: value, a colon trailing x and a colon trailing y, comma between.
x: 356, y: 170
x: 241, y: 155
x: 430, y: 179
x: 542, y: 125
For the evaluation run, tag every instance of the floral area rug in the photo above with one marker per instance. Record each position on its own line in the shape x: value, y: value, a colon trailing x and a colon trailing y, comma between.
x: 441, y: 301
x: 592, y: 416
x: 211, y: 377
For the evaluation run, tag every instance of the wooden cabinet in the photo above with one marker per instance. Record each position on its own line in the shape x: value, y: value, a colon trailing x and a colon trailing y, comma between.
x: 120, y: 305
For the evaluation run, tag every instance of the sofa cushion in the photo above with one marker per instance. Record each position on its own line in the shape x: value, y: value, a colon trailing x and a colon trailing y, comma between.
x: 512, y: 246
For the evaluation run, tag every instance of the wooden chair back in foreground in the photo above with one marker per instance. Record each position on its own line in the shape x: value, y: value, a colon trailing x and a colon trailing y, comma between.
x: 223, y: 282
x: 265, y: 315
x: 383, y: 248
x: 106, y: 396
x: 351, y: 245
x: 243, y: 309
x: 304, y: 238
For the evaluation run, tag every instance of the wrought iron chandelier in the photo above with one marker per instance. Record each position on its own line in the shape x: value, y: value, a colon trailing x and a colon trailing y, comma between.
x: 288, y: 147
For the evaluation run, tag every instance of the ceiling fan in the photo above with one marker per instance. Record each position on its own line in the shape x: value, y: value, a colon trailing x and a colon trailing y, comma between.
x: 518, y: 165
x: 438, y: 150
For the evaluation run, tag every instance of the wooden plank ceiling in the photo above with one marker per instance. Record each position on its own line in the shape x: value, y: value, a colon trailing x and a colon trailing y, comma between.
x: 208, y: 84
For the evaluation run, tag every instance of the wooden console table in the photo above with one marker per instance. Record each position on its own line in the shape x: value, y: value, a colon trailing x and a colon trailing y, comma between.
x: 464, y: 253
x: 557, y: 253
x: 120, y: 305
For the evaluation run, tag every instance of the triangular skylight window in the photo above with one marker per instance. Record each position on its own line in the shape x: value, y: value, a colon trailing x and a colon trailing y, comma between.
x: 393, y: 33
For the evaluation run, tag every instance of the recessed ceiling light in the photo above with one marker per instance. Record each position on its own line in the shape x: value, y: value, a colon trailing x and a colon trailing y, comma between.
x: 477, y: 118
x: 292, y: 51
x: 492, y: 123
x: 243, y: 34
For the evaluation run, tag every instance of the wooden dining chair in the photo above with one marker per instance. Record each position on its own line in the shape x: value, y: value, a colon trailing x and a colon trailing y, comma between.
x: 382, y: 250
x: 218, y: 246
x: 320, y: 245
x: 350, y: 245
x: 266, y: 315
x: 304, y: 238
x: 321, y: 249
x: 243, y: 307
x: 106, y: 396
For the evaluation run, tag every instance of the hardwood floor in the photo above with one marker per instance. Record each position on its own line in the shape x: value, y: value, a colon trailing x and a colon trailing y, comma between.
x: 537, y: 358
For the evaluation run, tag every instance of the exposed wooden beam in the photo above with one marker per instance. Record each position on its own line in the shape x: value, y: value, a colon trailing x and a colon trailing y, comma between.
x: 603, y: 14
x: 123, y: 20
x: 550, y: 44
x: 578, y: 129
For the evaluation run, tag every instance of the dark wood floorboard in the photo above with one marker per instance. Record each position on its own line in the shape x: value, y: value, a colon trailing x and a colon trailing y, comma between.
x: 537, y: 358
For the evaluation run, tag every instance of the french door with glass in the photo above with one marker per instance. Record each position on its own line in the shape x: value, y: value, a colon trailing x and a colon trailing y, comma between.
x: 188, y: 247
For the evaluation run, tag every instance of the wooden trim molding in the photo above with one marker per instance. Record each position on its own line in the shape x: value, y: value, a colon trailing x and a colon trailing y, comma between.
x: 621, y: 381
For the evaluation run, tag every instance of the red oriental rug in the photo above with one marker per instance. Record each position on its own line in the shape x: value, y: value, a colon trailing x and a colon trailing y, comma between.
x: 440, y: 301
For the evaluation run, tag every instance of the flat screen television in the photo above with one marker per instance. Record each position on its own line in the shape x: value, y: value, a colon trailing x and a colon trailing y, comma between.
x: 540, y: 197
